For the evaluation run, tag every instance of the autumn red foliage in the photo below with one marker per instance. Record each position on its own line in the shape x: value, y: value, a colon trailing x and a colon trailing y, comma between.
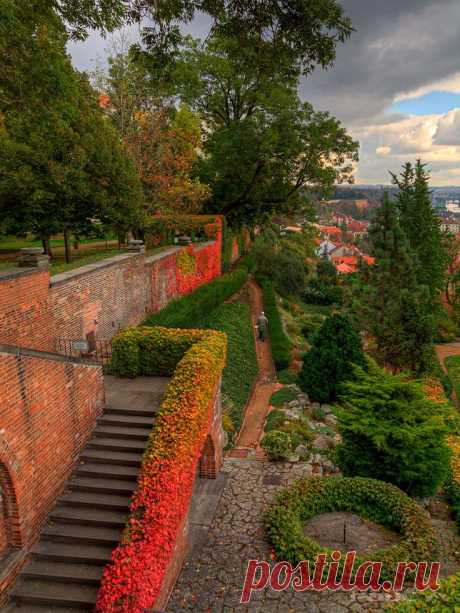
x: 133, y: 580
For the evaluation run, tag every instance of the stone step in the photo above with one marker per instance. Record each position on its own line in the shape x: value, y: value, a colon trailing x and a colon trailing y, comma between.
x: 130, y: 421
x: 81, y: 533
x: 104, y: 456
x: 91, y: 516
x: 65, y: 552
x: 55, y: 593
x: 63, y: 571
x: 17, y: 607
x: 115, y: 444
x: 95, y: 500
x: 101, y: 484
x: 122, y: 432
x: 137, y: 412
x: 114, y: 471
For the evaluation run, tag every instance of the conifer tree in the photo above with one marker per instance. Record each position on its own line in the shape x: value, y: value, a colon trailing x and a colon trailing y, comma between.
x: 391, y: 431
x: 421, y: 227
x: 394, y: 308
x: 336, y: 348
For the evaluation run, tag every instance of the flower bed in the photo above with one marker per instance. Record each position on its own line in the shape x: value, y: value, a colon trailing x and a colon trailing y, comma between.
x: 374, y: 500
x: 133, y: 580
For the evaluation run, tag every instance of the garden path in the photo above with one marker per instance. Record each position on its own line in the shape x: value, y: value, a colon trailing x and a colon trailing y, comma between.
x: 247, y: 443
x: 444, y: 351
x: 213, y: 574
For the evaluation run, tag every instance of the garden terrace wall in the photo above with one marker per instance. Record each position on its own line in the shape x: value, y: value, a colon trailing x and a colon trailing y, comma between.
x: 48, y: 408
x: 26, y: 317
x: 186, y: 432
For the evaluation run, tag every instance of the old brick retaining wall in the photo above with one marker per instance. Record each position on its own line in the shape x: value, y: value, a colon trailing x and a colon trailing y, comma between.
x: 101, y: 298
x: 48, y: 408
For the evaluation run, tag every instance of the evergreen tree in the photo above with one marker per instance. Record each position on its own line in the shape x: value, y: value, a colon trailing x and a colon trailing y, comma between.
x: 393, y: 307
x: 61, y: 162
x: 391, y: 431
x: 421, y: 227
x: 336, y: 348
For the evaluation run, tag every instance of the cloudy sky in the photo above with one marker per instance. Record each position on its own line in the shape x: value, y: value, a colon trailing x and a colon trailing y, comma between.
x: 395, y: 84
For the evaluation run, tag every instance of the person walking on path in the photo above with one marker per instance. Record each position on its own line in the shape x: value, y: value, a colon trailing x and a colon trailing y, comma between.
x: 262, y: 326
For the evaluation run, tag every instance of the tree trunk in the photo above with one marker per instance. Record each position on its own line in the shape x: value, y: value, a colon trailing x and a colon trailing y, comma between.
x: 47, y: 246
x: 67, y: 250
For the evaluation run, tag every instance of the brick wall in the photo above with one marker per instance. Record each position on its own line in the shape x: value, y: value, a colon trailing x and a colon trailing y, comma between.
x: 48, y: 407
x: 25, y: 313
x: 118, y: 292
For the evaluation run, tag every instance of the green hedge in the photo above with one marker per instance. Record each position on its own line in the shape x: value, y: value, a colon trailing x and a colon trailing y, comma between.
x: 444, y: 600
x: 150, y: 351
x: 374, y: 500
x: 241, y: 368
x: 280, y: 343
x: 192, y: 310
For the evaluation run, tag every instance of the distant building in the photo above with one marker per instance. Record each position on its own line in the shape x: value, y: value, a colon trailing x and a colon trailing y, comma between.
x: 453, y: 206
x: 450, y: 225
x: 325, y: 249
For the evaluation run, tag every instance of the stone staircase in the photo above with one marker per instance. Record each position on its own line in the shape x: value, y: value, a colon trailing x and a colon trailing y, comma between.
x: 66, y: 565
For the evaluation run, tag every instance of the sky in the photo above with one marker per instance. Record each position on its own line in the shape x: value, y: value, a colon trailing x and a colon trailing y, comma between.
x: 395, y: 84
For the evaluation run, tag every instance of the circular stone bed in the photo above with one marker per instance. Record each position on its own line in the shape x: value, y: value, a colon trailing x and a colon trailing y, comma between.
x: 373, y: 500
x: 344, y: 532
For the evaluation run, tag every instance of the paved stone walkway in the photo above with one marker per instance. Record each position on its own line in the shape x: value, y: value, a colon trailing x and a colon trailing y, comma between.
x: 213, y: 575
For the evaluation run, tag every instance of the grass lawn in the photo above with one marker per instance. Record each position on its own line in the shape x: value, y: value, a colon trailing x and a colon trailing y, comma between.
x: 453, y: 368
x: 235, y: 320
x: 80, y: 258
x: 13, y: 243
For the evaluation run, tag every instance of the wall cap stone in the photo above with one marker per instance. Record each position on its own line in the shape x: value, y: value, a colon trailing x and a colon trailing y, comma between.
x: 47, y: 355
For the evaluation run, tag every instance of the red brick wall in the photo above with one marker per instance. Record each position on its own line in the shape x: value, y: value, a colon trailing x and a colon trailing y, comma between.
x: 25, y: 314
x: 212, y: 453
x: 175, y: 566
x: 100, y: 298
x: 120, y: 292
x: 48, y: 407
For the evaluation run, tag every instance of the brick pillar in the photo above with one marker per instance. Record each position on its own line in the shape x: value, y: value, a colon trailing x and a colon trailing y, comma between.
x: 212, y: 453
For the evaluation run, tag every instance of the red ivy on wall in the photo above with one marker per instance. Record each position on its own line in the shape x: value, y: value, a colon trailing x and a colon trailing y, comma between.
x: 133, y: 580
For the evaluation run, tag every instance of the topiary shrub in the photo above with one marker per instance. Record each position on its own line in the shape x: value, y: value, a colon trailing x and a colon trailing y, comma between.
x: 373, y: 500
x: 391, y: 431
x: 277, y: 445
x: 336, y: 348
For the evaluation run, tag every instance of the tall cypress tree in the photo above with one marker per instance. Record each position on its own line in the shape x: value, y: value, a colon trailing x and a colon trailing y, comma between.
x: 395, y: 309
x: 421, y: 227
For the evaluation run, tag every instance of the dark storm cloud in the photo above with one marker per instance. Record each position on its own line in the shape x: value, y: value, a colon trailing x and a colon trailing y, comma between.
x: 398, y: 46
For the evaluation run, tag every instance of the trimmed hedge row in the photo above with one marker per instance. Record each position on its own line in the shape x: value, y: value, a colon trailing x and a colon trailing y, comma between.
x: 280, y: 343
x: 132, y: 581
x: 241, y: 368
x: 374, y: 500
x: 192, y: 310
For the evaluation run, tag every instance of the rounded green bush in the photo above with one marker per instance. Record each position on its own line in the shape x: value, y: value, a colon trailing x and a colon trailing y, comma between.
x: 277, y: 445
x: 374, y: 500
